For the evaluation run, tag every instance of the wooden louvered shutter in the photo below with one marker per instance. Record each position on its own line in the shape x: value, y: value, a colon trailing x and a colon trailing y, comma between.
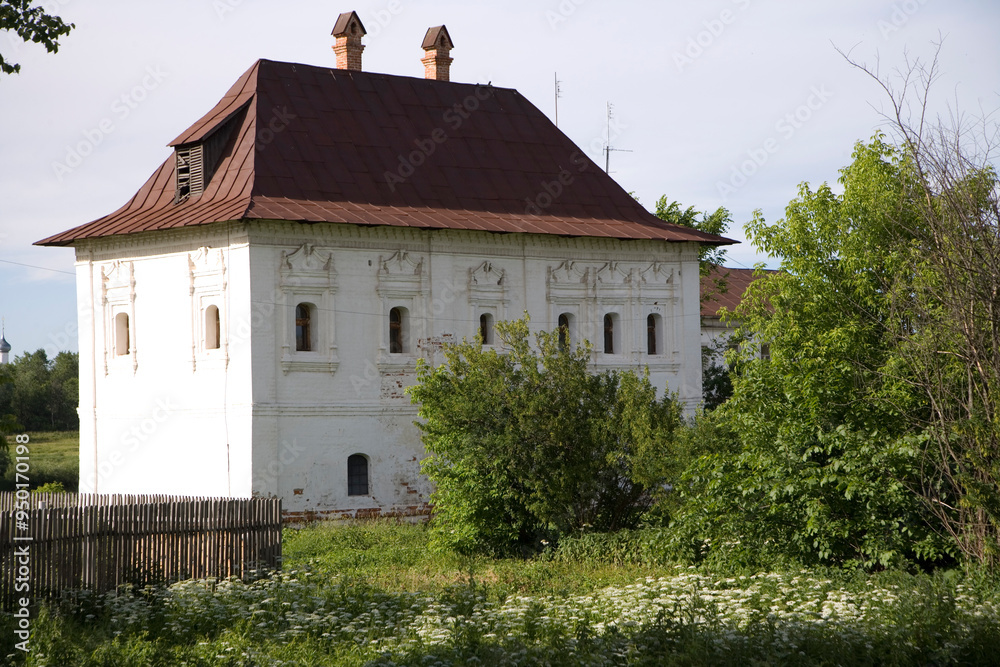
x: 190, y: 171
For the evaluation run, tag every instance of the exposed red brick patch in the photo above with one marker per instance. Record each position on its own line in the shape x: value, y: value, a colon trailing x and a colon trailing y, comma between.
x: 410, y: 512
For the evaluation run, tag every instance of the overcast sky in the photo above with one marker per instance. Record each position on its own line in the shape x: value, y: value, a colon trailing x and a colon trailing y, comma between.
x: 721, y: 102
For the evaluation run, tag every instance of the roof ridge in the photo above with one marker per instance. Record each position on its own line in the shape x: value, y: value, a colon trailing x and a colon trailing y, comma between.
x: 319, y: 144
x: 237, y: 97
x: 388, y: 75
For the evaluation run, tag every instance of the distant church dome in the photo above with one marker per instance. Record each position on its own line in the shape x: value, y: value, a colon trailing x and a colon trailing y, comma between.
x: 4, y: 345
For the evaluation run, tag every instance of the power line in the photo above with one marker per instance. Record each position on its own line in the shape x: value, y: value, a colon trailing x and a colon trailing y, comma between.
x: 43, y: 268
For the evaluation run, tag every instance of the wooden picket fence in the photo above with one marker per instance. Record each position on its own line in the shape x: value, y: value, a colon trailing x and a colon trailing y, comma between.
x: 69, y: 541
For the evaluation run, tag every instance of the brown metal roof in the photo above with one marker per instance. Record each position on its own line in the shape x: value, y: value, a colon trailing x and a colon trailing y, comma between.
x: 736, y: 282
x: 315, y: 144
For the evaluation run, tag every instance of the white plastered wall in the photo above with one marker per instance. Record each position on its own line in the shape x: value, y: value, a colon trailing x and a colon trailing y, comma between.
x: 257, y: 416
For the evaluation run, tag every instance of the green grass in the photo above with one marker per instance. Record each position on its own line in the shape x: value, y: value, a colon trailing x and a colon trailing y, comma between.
x: 396, y: 557
x: 376, y: 594
x: 54, y: 456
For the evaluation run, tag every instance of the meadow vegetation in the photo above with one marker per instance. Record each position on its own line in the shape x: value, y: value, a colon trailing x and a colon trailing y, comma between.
x: 841, y: 507
x: 375, y: 594
x: 54, y: 458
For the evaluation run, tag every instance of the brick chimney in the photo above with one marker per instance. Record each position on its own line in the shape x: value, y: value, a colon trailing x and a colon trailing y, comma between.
x: 349, y: 30
x: 437, y: 44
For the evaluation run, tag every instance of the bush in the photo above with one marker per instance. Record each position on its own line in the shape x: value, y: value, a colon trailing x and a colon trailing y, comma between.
x: 528, y: 445
x: 51, y: 487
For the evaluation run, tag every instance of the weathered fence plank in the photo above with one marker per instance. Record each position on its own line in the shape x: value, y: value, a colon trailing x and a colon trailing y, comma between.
x: 99, y: 542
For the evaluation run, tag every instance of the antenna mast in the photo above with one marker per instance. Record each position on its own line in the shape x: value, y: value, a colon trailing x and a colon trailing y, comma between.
x: 558, y: 92
x: 608, y: 147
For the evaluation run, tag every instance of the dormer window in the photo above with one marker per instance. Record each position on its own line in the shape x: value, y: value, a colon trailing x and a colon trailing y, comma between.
x: 195, y: 162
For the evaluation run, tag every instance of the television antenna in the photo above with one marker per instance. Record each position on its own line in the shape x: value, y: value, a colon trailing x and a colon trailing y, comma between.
x: 608, y: 148
x: 558, y: 94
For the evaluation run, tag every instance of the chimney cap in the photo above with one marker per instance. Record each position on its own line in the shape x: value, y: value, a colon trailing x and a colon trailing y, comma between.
x: 437, y: 37
x: 344, y: 24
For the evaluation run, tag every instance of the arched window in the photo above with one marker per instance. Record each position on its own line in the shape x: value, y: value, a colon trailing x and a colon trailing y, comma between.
x: 564, y: 339
x: 652, y: 333
x: 212, y: 328
x: 303, y: 327
x: 357, y: 475
x: 609, y: 334
x: 486, y: 328
x: 398, y: 326
x: 122, y: 345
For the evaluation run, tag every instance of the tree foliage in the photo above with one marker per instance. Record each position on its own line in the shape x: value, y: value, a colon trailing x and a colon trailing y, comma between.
x: 945, y: 298
x: 873, y: 432
x: 715, y: 382
x: 41, y: 394
x: 32, y: 24
x: 710, y: 223
x: 822, y: 458
x: 526, y: 444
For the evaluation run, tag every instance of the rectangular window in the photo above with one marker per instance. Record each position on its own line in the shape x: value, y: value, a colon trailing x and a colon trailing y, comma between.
x: 122, y: 346
x: 654, y: 334
x: 612, y: 334
x: 213, y: 326
x: 486, y: 329
x: 399, y: 326
x: 303, y: 328
x: 564, y: 333
x: 357, y: 475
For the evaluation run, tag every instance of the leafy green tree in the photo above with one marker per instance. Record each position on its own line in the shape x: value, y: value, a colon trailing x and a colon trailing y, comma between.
x: 715, y: 382
x: 527, y: 444
x: 41, y: 394
x: 942, y: 295
x: 64, y: 396
x: 944, y: 301
x: 711, y: 223
x: 32, y: 390
x: 821, y: 462
x: 948, y: 347
x: 8, y: 426
x: 32, y: 24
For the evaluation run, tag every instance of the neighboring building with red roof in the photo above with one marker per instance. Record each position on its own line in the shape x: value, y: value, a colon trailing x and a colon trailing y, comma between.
x: 249, y: 320
x: 722, y: 288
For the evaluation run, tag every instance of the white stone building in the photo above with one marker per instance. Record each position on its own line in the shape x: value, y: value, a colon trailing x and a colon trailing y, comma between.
x: 250, y: 319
